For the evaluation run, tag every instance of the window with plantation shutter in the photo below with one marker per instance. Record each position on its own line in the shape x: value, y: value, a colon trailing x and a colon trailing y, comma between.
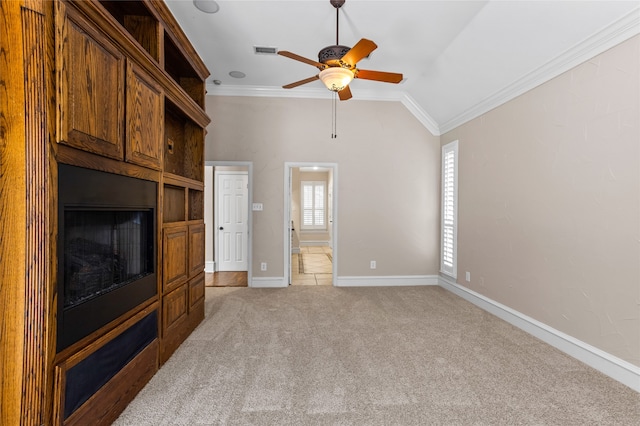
x: 313, y: 205
x: 449, y: 209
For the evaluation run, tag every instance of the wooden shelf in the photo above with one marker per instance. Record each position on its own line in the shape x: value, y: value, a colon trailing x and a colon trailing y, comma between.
x: 173, y: 201
x: 177, y: 180
x: 139, y: 22
x: 196, y: 204
x: 183, y: 145
x: 178, y: 67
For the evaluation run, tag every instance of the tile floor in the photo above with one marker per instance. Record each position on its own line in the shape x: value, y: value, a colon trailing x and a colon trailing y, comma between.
x: 317, y: 266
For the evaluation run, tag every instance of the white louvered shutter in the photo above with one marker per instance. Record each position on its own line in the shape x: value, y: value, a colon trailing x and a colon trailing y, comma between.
x: 318, y: 205
x: 313, y: 205
x: 449, y: 208
x: 307, y: 204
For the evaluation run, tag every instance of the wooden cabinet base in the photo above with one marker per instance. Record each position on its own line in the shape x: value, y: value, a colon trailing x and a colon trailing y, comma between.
x: 178, y: 332
x: 106, y: 405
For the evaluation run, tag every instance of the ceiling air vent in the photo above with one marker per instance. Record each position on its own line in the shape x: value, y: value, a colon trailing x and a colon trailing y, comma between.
x: 262, y: 50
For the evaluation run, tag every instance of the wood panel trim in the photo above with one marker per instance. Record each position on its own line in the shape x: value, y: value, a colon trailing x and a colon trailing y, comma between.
x: 85, y: 347
x: 38, y: 276
x: 80, y: 351
x: 76, y: 157
x: 103, y: 407
x: 12, y: 211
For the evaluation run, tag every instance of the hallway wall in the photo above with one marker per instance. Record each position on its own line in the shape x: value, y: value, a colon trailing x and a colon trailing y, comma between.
x: 388, y: 177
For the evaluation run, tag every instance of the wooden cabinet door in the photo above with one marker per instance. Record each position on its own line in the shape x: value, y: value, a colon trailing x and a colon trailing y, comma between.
x: 145, y: 119
x: 196, y: 249
x: 174, y: 307
x: 174, y: 257
x: 196, y: 290
x: 90, y: 87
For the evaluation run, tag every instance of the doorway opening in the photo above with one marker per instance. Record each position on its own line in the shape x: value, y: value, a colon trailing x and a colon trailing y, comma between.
x: 228, y: 224
x: 310, y: 223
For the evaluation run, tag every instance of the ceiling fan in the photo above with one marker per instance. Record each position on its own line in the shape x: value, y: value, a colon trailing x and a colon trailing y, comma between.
x: 337, y: 64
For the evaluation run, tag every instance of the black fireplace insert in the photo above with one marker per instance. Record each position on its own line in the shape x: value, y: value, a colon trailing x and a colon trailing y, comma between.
x: 106, y: 249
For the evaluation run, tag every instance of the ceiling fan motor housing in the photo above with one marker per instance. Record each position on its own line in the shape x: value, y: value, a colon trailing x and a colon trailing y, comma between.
x: 331, y: 55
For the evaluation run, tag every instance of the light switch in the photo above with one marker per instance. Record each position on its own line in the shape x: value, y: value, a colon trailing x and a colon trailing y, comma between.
x: 257, y: 207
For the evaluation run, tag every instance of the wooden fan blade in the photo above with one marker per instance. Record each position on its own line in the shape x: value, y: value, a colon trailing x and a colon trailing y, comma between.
x: 387, y: 77
x: 301, y: 82
x: 301, y: 59
x: 359, y: 51
x: 345, y: 94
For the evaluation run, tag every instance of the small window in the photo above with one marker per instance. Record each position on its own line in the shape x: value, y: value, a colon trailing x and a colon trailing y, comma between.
x: 313, y: 202
x: 448, y: 260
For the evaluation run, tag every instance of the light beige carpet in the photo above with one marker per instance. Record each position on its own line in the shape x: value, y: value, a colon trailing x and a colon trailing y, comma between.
x: 370, y: 356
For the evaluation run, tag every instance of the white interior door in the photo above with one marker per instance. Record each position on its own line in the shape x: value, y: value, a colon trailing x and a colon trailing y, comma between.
x: 233, y: 193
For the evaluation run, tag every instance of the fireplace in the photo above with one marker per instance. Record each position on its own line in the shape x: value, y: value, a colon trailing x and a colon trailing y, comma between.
x: 106, y: 249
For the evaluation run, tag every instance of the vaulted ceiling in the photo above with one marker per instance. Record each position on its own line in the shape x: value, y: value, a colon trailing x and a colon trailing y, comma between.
x: 459, y: 58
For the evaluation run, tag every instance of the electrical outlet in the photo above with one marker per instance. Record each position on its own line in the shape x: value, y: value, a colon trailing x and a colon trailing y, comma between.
x: 263, y: 266
x: 373, y: 264
x: 467, y: 276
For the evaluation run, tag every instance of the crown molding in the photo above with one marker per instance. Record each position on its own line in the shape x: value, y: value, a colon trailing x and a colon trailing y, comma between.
x: 302, y: 92
x: 610, y: 36
x: 306, y: 93
x: 420, y: 114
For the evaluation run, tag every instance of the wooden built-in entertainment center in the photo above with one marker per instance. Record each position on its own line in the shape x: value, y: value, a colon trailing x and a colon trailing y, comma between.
x: 111, y: 94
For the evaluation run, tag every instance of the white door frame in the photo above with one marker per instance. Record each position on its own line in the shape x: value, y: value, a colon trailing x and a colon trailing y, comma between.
x: 287, y: 216
x: 249, y: 166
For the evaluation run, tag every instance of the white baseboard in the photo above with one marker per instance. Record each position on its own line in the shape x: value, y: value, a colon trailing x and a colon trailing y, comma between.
x: 268, y: 282
x: 295, y: 250
x: 209, y: 266
x: 614, y: 367
x: 387, y: 281
x: 312, y: 243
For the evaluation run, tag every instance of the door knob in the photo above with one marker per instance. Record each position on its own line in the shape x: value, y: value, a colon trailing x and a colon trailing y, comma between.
x: 221, y: 228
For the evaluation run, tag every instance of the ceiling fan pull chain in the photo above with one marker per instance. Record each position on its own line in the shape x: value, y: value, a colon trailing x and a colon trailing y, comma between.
x: 334, y: 116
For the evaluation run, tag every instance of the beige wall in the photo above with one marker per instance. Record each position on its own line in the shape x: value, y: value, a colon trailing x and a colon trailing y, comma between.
x: 388, y: 177
x: 549, y: 202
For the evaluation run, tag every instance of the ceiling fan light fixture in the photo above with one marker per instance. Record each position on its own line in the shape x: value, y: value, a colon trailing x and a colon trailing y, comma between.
x: 336, y: 78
